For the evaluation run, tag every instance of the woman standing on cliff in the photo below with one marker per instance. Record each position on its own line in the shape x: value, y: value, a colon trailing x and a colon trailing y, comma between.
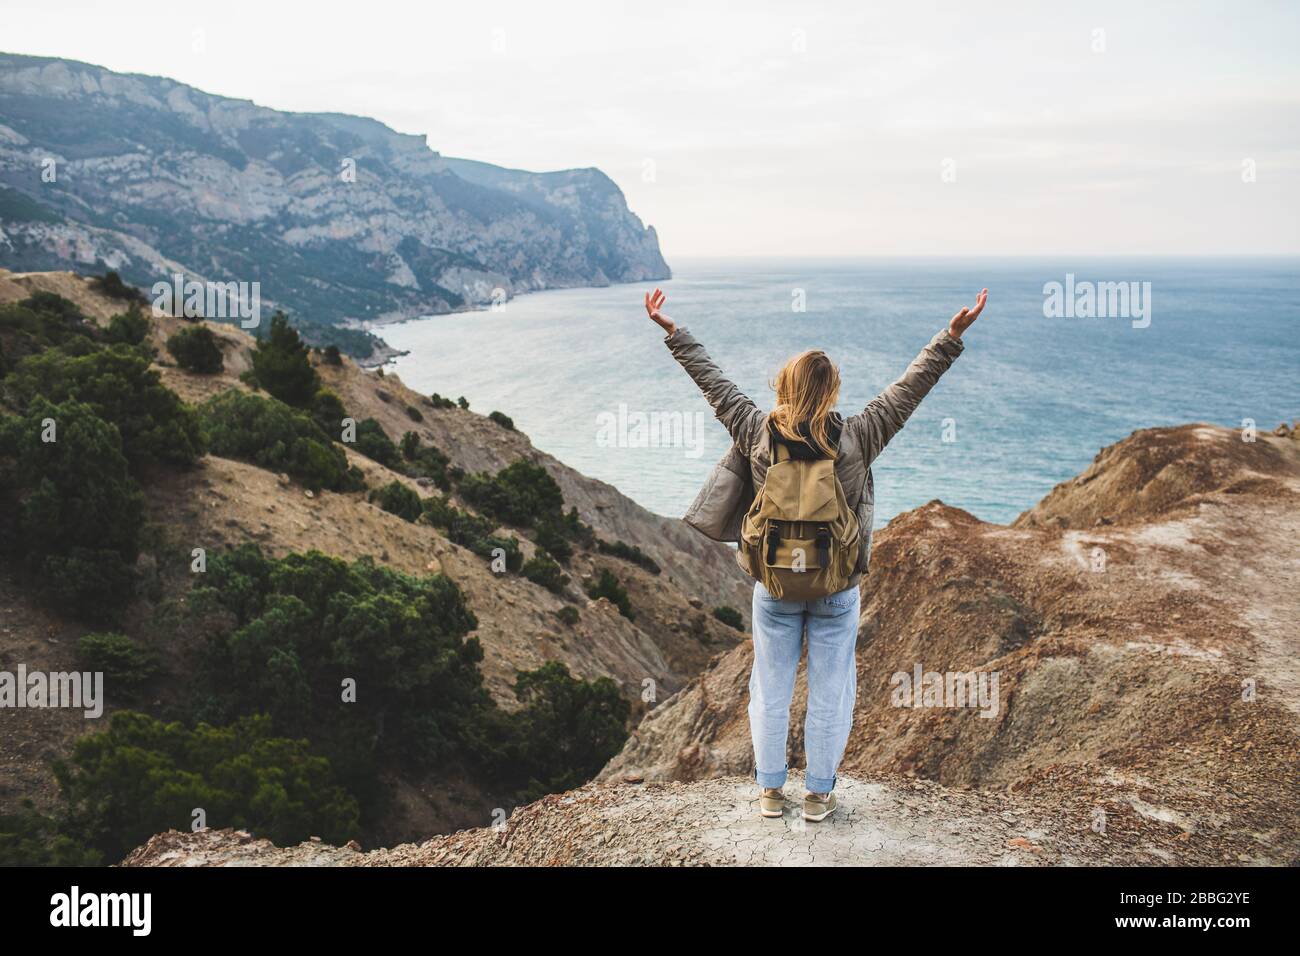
x: 795, y: 494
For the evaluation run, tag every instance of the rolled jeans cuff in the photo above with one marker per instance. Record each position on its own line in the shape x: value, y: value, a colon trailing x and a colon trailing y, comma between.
x: 818, y: 784
x: 773, y: 779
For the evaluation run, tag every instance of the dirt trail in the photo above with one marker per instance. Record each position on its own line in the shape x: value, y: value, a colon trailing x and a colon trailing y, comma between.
x: 707, y: 823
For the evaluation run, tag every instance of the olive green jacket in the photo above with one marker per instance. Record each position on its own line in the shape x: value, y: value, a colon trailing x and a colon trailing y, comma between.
x: 729, y: 491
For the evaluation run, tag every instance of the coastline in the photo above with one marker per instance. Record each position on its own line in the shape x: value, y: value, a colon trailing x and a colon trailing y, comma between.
x: 380, y: 357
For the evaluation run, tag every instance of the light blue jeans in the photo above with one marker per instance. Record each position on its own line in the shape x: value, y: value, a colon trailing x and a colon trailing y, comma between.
x: 831, y: 624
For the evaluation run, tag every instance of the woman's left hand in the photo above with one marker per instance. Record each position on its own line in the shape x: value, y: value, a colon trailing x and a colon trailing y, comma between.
x: 653, y: 303
x: 966, y: 317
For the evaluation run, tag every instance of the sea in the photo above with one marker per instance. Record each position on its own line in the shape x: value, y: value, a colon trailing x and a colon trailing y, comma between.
x: 1070, y: 355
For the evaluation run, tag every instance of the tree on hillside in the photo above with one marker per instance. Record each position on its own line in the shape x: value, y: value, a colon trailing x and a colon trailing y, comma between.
x: 303, y: 624
x: 272, y: 435
x: 129, y: 328
x: 142, y: 776
x: 78, y: 511
x: 111, y: 285
x: 567, y: 730
x: 518, y: 494
x: 42, y: 320
x: 195, y: 348
x: 117, y: 382
x: 373, y: 442
x: 281, y: 365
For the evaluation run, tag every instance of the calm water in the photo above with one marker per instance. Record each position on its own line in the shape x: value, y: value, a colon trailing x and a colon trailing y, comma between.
x: 1032, y: 399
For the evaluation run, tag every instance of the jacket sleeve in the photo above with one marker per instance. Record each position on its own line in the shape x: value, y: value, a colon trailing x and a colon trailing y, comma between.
x: 887, y: 412
x: 738, y: 414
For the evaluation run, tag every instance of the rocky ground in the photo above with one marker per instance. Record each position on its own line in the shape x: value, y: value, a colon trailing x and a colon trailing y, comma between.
x: 708, y: 823
x: 1144, y: 624
x: 886, y: 822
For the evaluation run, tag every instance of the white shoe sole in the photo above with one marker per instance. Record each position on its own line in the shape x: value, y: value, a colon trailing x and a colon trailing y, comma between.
x: 818, y: 817
x: 772, y: 813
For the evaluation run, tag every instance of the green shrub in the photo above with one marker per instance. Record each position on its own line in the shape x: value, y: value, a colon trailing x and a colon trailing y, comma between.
x: 471, y: 531
x: 568, y: 615
x: 29, y: 838
x: 195, y: 348
x: 328, y: 412
x: 463, y: 402
x: 282, y: 366
x: 297, y: 627
x: 542, y: 571
x: 270, y: 434
x: 142, y: 776
x: 508, y: 549
x: 567, y: 730
x: 607, y: 586
x: 332, y: 356
x: 730, y: 617
x: 76, y: 509
x: 414, y: 414
x: 373, y: 442
x: 629, y: 552
x: 424, y: 461
x: 574, y: 527
x: 552, y: 537
x: 396, y: 498
x: 42, y: 320
x: 128, y: 328
x: 121, y: 388
x: 111, y: 285
x: 459, y: 525
x: 428, y: 462
x: 504, y: 420
x: 519, y: 494
x: 125, y: 664
x: 437, y: 401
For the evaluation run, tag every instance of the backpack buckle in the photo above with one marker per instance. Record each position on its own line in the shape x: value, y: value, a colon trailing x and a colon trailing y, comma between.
x: 823, y: 547
x: 773, y: 542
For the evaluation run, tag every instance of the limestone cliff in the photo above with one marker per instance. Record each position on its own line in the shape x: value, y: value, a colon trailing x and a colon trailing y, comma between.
x: 341, y: 219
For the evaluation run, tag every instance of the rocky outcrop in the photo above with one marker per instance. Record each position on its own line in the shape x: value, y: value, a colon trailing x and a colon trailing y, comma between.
x: 1160, y: 472
x: 339, y: 218
x: 883, y: 822
x: 1142, y: 622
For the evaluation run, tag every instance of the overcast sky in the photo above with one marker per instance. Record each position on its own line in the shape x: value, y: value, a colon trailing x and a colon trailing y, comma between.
x: 795, y: 128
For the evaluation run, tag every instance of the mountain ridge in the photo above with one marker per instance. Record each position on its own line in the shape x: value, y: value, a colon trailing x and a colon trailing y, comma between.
x: 345, y: 222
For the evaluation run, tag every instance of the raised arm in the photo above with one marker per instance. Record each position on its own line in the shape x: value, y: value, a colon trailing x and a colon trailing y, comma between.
x: 889, y: 411
x: 738, y: 414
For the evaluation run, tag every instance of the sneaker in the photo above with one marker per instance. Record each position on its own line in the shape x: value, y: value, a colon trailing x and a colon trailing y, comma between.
x: 818, y: 806
x: 771, y: 802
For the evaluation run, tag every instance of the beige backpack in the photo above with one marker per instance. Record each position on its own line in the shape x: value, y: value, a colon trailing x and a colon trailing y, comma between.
x: 799, y: 537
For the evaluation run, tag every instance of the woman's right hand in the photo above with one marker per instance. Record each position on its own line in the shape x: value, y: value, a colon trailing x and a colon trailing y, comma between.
x: 653, y: 303
x: 966, y: 317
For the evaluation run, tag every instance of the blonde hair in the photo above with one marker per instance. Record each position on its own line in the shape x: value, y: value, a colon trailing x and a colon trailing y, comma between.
x: 807, y: 388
